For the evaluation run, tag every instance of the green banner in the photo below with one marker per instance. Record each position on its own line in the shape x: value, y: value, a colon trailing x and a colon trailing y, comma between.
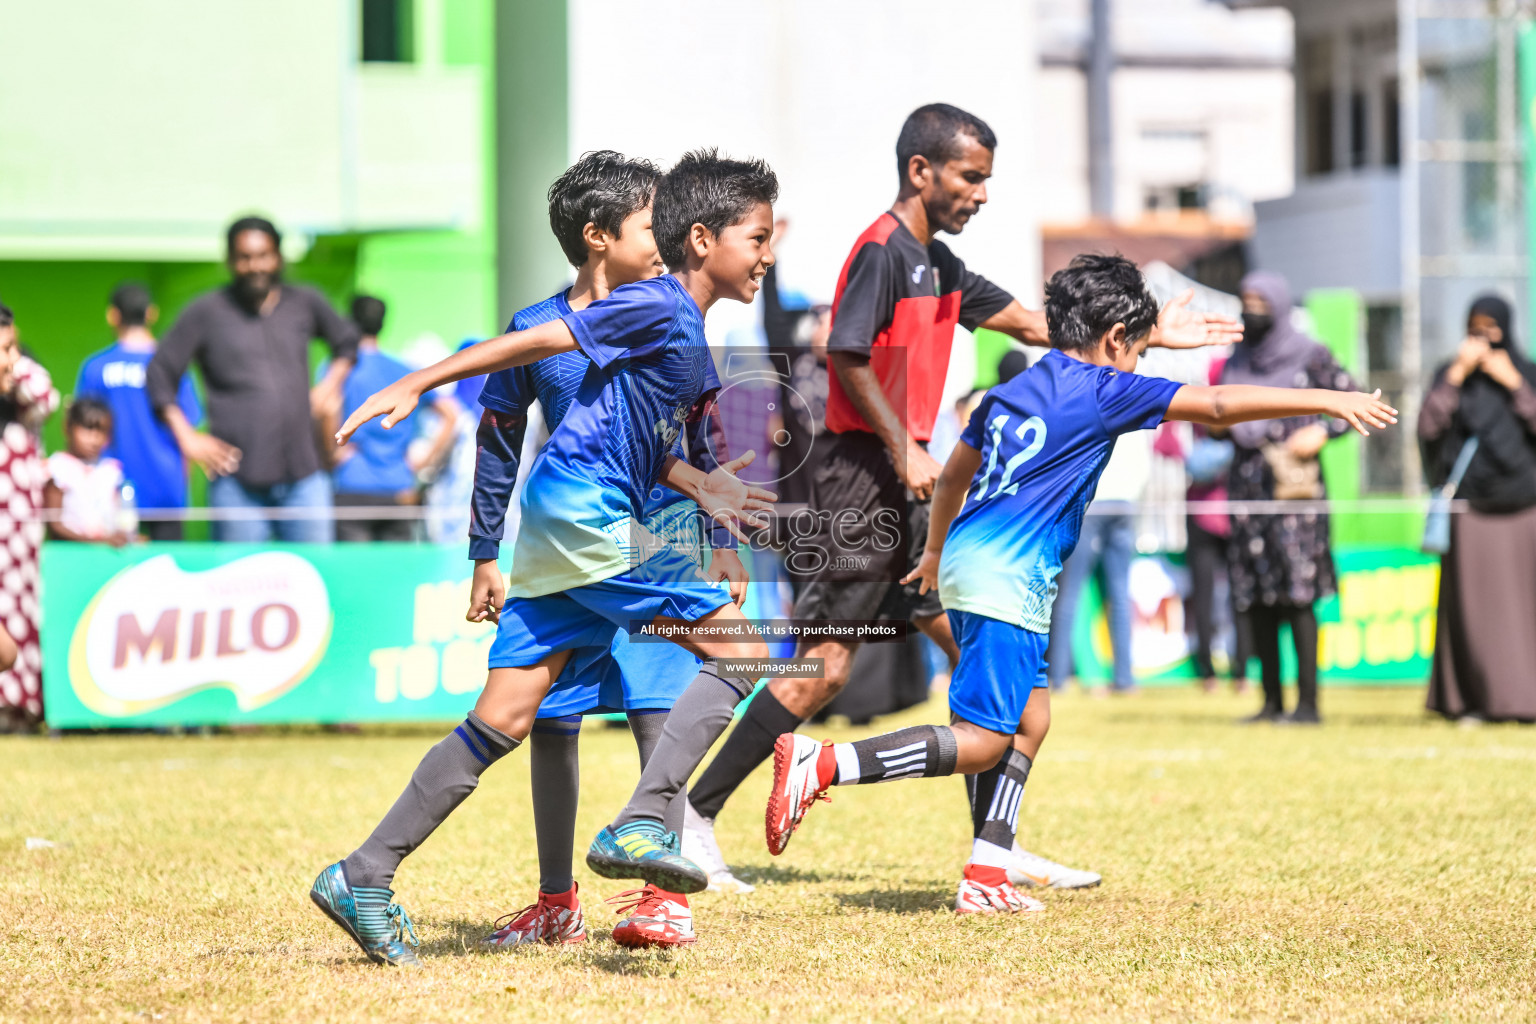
x: 193, y: 634
x: 1379, y: 628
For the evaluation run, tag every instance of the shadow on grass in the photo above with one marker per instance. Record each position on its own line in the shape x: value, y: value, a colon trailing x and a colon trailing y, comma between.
x: 774, y: 875
x: 898, y: 901
x: 599, y: 951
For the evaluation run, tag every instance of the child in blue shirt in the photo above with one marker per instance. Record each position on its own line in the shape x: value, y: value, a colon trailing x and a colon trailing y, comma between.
x: 152, y: 461
x: 1007, y: 512
x: 600, y: 211
x: 584, y: 563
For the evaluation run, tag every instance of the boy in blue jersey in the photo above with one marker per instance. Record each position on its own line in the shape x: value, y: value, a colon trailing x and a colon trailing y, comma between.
x: 584, y: 565
x: 151, y: 459
x: 600, y: 211
x: 1007, y: 512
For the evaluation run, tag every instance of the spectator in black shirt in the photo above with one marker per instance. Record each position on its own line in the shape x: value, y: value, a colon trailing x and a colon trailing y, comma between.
x: 251, y: 341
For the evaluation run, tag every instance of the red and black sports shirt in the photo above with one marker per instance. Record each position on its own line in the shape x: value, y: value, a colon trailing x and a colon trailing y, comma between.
x: 898, y: 302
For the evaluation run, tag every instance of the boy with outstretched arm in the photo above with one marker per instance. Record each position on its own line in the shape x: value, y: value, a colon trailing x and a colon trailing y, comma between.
x: 584, y: 566
x: 600, y: 211
x: 1007, y: 512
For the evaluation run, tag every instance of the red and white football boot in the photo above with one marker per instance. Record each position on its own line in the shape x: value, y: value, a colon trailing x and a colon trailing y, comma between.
x: 803, y: 770
x: 655, y: 917
x: 555, y: 920
x: 986, y: 890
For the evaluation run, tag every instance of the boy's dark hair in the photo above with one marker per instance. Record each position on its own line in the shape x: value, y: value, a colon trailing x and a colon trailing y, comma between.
x: 6, y: 316
x: 1093, y: 294
x: 601, y: 189
x: 89, y: 412
x: 931, y: 131
x: 252, y: 224
x: 709, y: 189
x: 132, y: 301
x: 368, y: 314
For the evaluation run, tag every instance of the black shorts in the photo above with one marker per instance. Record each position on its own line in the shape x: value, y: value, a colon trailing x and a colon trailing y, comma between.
x: 869, y: 532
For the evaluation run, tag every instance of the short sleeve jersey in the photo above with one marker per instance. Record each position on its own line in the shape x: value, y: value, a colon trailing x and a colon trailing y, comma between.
x: 1044, y: 438
x: 584, y: 506
x: 554, y: 382
x: 377, y: 464
x: 141, y: 441
x: 898, y: 301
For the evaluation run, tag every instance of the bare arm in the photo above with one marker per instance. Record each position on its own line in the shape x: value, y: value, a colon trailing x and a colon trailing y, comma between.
x: 7, y: 650
x: 1226, y: 404
x: 519, y: 348
x: 917, y: 469
x: 1027, y: 325
x: 948, y: 498
x: 719, y: 494
x: 218, y: 458
x: 448, y: 412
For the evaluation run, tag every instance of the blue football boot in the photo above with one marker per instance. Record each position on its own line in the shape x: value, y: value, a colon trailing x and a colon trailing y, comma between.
x: 371, y: 916
x: 642, y: 850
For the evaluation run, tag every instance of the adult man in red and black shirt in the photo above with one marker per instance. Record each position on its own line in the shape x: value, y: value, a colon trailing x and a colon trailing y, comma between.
x: 899, y: 297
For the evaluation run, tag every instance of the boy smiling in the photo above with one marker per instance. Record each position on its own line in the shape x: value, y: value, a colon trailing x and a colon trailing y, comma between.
x: 584, y: 565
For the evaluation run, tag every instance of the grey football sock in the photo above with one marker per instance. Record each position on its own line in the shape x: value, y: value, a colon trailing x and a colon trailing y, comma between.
x: 556, y: 776
x: 647, y: 727
x: 449, y: 773
x: 695, y: 722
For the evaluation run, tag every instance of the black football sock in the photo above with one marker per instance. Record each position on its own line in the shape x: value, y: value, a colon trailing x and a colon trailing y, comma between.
x: 995, y: 796
x: 556, y: 774
x: 922, y: 751
x: 695, y: 722
x: 748, y: 745
x: 449, y: 773
x: 647, y: 727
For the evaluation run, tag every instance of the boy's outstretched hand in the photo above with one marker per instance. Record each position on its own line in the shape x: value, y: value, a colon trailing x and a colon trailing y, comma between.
x: 1359, y: 409
x: 926, y: 574
x: 731, y: 501
x: 487, y: 592
x: 1178, y: 326
x: 394, y: 403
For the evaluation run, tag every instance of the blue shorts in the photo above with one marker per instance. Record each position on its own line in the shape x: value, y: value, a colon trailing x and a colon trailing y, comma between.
x: 646, y: 675
x: 668, y: 583
x: 1000, y: 664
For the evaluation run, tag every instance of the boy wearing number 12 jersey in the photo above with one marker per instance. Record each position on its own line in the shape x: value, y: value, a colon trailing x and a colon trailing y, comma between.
x: 1007, y: 512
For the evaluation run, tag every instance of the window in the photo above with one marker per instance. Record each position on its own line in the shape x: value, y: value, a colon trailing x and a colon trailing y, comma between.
x: 1391, y: 146
x: 1359, y: 135
x: 1383, y: 463
x: 1315, y: 88
x: 387, y: 31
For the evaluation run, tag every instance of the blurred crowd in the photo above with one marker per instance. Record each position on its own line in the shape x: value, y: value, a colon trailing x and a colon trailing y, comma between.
x: 260, y: 428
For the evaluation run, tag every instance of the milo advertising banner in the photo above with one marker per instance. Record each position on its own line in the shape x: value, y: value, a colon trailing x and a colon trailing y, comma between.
x: 201, y: 634
x: 191, y: 634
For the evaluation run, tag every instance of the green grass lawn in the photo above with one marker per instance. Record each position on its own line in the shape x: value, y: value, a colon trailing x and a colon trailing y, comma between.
x: 1380, y: 868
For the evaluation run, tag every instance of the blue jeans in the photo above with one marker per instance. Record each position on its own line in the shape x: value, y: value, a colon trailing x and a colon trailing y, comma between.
x: 1108, y: 542
x: 314, y: 491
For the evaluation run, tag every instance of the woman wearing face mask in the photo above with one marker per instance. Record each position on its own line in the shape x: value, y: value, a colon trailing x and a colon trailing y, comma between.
x: 1485, y: 643
x: 1281, y: 565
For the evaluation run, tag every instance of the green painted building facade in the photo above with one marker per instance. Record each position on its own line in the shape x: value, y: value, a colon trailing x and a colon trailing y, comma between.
x: 399, y: 162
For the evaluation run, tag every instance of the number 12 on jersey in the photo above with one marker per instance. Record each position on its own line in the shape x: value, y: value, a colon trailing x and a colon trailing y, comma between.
x: 1034, y: 426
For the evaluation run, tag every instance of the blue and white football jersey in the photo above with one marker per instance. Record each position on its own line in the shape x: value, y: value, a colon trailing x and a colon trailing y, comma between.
x: 643, y: 364
x: 1044, y: 438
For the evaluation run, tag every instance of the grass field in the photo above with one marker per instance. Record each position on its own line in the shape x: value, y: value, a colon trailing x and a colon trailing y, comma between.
x: 1380, y: 868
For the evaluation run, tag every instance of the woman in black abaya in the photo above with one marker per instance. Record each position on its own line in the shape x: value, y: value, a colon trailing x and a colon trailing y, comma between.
x: 1485, y: 637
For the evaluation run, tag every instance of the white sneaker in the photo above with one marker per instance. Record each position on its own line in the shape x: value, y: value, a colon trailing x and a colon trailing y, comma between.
x: 1031, y: 870
x: 700, y: 847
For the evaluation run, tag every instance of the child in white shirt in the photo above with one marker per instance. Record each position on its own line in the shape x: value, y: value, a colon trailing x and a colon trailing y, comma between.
x: 83, y: 486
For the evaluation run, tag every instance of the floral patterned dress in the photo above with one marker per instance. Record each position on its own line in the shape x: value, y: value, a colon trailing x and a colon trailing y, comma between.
x: 22, y: 475
x: 1283, y: 560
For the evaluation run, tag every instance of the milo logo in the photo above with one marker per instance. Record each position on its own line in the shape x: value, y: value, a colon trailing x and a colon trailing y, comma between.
x: 156, y: 633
